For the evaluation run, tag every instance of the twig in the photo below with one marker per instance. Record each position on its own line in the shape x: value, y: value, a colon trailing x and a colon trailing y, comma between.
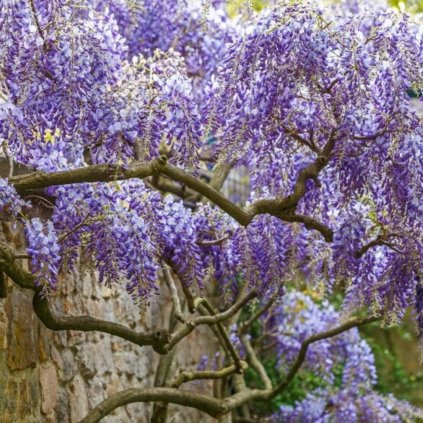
x: 255, y: 363
x: 37, y: 23
x: 74, y: 229
x: 174, y: 293
x: 205, y: 308
x: 45, y: 201
x: 210, y: 243
x: 246, y: 325
x: 380, y: 240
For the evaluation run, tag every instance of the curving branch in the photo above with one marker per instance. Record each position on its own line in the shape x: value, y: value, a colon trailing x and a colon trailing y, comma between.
x: 187, y: 327
x: 312, y: 339
x: 173, y: 293
x: 283, y: 208
x: 211, y: 406
x: 300, y: 139
x: 92, y: 173
x: 205, y: 307
x: 161, y: 340
x: 255, y: 363
x: 185, y: 377
x: 157, y: 339
x: 218, y: 241
x: 240, y: 215
x: 380, y: 240
x: 244, y: 327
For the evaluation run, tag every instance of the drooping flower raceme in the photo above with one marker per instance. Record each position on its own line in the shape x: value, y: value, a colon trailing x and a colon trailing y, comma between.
x: 44, y: 251
x: 9, y: 198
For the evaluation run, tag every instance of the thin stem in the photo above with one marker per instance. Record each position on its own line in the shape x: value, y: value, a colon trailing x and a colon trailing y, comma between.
x: 209, y: 243
x: 246, y: 325
x: 174, y: 293
x: 227, y: 344
x: 37, y: 22
x: 255, y: 363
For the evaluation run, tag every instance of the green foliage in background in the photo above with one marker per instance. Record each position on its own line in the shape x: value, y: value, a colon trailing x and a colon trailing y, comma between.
x: 412, y: 6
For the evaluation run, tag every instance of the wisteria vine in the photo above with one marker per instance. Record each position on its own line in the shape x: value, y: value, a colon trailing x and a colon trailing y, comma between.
x: 311, y: 100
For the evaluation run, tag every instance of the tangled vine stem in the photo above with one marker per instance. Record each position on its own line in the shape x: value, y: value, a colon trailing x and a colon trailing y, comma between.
x: 283, y: 208
x: 212, y: 406
x: 161, y: 340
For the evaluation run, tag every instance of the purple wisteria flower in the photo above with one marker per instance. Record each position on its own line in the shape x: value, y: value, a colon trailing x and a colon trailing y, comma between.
x: 10, y: 202
x: 352, y: 399
x: 44, y: 250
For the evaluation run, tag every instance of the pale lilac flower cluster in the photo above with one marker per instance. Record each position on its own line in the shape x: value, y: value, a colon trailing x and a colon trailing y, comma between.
x: 10, y: 202
x: 349, y: 400
x: 43, y: 248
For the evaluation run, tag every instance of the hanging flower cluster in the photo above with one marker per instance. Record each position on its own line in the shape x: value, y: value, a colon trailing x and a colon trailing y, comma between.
x: 345, y: 364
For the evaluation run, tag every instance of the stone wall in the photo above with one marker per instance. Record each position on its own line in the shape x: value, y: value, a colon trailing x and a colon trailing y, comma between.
x: 50, y: 376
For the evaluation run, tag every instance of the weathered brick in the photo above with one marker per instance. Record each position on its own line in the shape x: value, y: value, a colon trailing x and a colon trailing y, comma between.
x: 22, y: 334
x: 49, y: 388
x: 78, y: 402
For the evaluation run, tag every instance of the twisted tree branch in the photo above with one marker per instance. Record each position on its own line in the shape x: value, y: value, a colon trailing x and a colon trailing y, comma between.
x: 209, y: 405
x: 188, y: 326
x: 283, y: 208
x: 156, y: 339
x: 212, y: 406
x: 185, y: 377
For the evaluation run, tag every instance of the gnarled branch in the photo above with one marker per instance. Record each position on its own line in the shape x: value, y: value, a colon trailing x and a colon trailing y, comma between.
x: 157, y: 339
x: 185, y: 377
x: 211, y: 406
x: 283, y: 208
